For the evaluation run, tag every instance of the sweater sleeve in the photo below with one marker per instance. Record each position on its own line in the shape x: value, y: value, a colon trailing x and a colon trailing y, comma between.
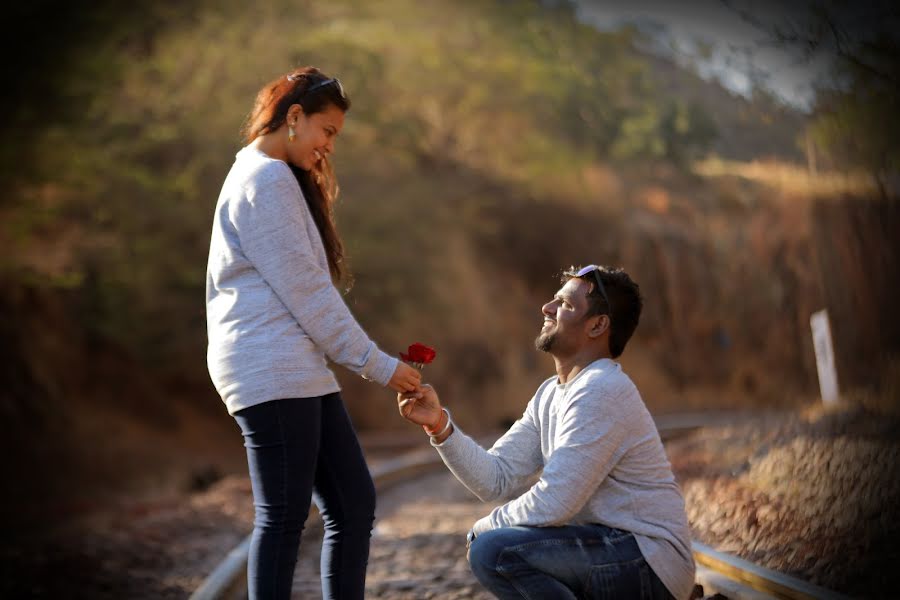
x: 270, y: 220
x: 507, y: 466
x: 589, y: 442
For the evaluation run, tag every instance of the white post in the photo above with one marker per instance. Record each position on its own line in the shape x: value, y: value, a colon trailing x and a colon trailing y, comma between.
x: 821, y: 333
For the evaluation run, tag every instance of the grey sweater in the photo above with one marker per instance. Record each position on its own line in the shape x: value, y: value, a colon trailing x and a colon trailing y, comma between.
x: 599, y: 460
x: 272, y: 311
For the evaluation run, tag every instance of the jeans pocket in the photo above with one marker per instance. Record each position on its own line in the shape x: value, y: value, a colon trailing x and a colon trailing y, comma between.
x: 629, y: 579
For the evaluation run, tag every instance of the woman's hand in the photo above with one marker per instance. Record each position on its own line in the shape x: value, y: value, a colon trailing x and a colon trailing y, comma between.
x: 405, y: 378
x: 422, y: 407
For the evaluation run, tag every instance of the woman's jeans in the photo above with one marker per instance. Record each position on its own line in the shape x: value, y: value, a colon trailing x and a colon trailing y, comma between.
x: 556, y: 563
x: 300, y: 448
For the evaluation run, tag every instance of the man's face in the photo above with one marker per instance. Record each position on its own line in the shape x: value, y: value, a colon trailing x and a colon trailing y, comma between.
x: 565, y: 329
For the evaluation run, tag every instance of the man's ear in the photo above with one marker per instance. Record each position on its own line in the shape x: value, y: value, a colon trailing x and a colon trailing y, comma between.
x: 599, y: 324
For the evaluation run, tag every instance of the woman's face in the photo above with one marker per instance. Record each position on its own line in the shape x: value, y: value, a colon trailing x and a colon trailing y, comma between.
x: 315, y: 135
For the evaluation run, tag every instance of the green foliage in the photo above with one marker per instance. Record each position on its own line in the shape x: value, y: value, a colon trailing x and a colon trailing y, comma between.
x: 458, y: 107
x: 855, y: 114
x: 687, y: 130
x: 858, y: 128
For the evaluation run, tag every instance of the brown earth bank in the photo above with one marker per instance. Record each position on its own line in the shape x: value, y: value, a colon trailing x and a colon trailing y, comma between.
x: 813, y: 493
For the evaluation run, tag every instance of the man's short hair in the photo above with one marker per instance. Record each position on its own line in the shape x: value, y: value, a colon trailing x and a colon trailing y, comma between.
x: 625, y: 303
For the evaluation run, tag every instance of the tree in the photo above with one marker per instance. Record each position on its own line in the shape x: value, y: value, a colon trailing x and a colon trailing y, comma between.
x: 688, y: 131
x: 857, y: 123
x: 855, y: 115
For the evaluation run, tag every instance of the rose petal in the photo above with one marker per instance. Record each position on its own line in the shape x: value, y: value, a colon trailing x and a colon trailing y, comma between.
x: 421, y: 353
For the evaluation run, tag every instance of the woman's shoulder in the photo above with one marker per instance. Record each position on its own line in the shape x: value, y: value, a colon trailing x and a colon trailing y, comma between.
x: 253, y: 170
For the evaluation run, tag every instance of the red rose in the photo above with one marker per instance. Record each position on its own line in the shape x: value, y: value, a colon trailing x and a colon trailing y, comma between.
x: 419, y: 354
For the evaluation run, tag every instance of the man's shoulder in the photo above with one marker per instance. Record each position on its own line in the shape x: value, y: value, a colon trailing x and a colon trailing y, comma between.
x: 602, y: 391
x: 607, y: 376
x: 603, y: 381
x: 546, y: 390
x: 612, y: 395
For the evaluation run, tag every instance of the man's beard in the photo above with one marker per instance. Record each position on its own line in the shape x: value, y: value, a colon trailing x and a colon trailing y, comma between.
x: 544, y: 342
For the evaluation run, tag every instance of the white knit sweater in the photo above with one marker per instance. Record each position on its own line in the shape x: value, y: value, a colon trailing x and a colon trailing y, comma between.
x: 272, y: 311
x: 599, y: 459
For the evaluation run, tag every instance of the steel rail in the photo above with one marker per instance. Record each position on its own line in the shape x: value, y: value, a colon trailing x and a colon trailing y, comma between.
x: 773, y: 583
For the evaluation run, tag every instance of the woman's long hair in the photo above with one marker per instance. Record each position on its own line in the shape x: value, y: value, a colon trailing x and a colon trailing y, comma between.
x: 319, y: 184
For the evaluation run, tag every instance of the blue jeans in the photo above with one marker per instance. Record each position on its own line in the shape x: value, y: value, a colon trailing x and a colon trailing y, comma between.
x: 557, y: 563
x: 298, y: 449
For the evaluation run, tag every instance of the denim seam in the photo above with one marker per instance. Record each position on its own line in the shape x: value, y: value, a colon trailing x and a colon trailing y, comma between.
x: 519, y: 547
x: 519, y: 588
x: 327, y: 472
x: 618, y: 537
x: 560, y: 542
x: 513, y: 581
x: 284, y: 479
x: 507, y: 573
x: 620, y: 564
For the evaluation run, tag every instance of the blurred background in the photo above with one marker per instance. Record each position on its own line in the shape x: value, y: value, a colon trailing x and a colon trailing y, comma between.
x: 739, y: 160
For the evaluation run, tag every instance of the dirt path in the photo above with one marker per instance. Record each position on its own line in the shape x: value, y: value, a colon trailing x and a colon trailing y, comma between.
x: 815, y: 495
x: 418, y: 546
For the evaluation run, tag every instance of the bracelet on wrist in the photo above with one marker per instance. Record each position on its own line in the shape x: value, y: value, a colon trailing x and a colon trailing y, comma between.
x: 431, y: 432
x: 437, y: 425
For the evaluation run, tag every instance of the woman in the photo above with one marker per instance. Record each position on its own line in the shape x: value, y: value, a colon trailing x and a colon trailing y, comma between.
x: 273, y: 315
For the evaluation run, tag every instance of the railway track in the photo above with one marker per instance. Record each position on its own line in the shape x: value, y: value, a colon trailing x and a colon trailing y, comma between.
x: 401, y: 483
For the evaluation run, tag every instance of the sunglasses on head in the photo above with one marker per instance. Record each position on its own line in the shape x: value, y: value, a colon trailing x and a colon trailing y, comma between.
x: 334, y: 81
x: 323, y: 84
x: 596, y: 271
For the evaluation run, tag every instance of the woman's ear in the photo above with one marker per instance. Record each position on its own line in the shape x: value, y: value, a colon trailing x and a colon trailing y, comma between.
x: 294, y: 112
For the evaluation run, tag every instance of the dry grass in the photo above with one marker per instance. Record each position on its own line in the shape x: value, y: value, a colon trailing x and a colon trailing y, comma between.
x: 789, y: 178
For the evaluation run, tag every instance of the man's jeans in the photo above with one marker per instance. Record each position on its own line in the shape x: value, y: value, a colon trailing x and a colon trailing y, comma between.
x: 577, y: 561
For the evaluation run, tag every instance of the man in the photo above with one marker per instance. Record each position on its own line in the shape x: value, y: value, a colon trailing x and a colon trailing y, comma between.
x: 605, y: 517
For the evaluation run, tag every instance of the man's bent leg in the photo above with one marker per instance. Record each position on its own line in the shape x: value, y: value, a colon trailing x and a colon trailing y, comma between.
x: 584, y: 561
x: 496, y: 558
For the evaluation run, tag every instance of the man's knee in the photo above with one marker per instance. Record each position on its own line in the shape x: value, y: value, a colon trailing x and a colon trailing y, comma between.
x: 485, y: 550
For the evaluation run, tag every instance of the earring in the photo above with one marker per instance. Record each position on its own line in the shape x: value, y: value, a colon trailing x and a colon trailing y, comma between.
x: 291, y: 134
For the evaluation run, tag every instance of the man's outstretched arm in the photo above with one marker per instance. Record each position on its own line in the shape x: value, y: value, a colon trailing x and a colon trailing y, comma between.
x: 489, y: 474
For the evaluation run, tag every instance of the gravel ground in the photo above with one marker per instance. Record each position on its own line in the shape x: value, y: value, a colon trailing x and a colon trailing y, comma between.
x: 418, y: 546
x: 812, y: 494
x: 815, y: 495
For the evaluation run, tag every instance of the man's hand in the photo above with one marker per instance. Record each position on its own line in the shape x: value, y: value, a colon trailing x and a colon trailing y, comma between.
x: 405, y: 378
x: 422, y: 407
